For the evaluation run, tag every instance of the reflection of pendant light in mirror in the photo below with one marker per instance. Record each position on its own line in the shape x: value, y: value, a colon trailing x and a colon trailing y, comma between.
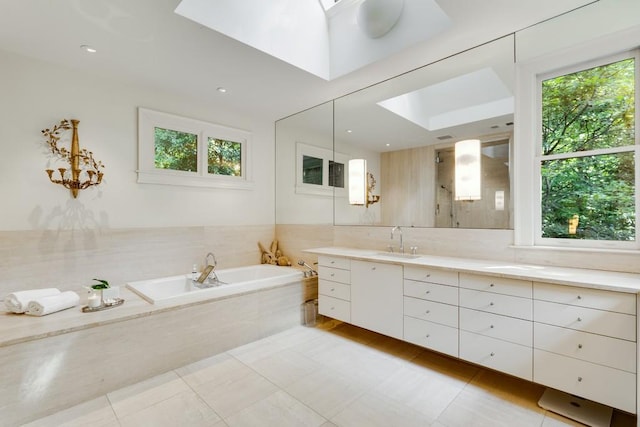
x: 357, y: 181
x: 361, y: 184
x: 467, y: 170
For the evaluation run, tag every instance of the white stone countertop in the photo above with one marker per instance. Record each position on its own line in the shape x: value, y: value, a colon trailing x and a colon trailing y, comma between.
x: 581, y: 277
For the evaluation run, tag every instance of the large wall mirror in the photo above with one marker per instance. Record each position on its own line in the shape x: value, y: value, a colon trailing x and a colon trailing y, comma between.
x: 406, y: 129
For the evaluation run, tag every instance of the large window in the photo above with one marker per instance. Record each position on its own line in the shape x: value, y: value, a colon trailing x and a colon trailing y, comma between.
x: 587, y: 154
x: 181, y: 151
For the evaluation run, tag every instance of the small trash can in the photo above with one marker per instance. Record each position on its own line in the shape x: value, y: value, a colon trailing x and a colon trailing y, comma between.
x: 309, y: 312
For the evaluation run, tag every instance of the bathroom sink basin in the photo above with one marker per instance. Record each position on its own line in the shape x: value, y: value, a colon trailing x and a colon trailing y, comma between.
x: 398, y: 255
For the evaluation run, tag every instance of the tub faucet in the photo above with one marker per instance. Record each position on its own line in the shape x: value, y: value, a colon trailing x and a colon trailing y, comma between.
x: 213, y: 270
x: 309, y: 273
x: 393, y: 230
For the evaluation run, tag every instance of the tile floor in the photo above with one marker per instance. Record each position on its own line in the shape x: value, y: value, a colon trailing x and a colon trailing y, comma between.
x: 332, y: 375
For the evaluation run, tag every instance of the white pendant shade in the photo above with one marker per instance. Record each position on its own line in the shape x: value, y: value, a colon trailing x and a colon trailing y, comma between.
x: 467, y: 170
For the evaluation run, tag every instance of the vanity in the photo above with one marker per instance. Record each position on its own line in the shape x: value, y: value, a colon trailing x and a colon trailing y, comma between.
x: 573, y: 330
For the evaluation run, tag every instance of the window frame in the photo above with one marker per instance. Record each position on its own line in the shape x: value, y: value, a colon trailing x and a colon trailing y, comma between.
x: 326, y: 155
x: 529, y: 158
x: 149, y: 119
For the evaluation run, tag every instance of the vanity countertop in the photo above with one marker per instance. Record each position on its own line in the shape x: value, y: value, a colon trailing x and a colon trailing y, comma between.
x: 582, y: 277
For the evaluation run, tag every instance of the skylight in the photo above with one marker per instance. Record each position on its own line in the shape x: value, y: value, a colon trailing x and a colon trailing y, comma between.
x: 463, y: 99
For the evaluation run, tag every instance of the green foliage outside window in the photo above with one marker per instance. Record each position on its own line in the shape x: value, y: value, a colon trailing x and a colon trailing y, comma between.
x: 175, y: 150
x: 224, y: 157
x: 593, y: 109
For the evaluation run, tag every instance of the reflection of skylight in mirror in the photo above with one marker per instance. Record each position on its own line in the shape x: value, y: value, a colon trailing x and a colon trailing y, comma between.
x: 464, y: 99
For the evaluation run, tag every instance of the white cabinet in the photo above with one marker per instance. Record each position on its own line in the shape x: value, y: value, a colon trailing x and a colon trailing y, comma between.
x: 376, y: 297
x: 334, y: 289
x: 431, y: 309
x: 585, y: 343
x: 495, y: 323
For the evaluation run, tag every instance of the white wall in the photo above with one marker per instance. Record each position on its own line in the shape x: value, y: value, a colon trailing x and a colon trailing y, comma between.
x: 37, y: 95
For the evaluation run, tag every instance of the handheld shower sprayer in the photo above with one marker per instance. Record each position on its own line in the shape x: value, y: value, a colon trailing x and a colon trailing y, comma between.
x: 311, y: 271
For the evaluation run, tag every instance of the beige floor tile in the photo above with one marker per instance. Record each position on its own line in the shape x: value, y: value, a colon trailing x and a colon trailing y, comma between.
x: 231, y: 387
x: 95, y: 413
x: 147, y: 393
x: 428, y: 392
x: 285, y: 367
x: 327, y: 391
x: 372, y: 410
x: 183, y: 409
x: 277, y: 410
x: 256, y: 350
x: 446, y: 366
x: 493, y: 406
x: 221, y: 368
x: 508, y: 388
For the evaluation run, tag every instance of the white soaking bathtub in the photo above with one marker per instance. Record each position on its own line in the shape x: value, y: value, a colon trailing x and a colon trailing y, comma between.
x: 236, y: 281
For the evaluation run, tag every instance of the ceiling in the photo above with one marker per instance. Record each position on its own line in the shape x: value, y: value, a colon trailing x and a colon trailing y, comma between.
x: 145, y: 43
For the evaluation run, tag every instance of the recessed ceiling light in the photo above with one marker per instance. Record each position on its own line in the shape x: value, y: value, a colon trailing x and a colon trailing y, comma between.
x: 388, y: 145
x: 222, y: 90
x: 349, y: 131
x: 87, y: 48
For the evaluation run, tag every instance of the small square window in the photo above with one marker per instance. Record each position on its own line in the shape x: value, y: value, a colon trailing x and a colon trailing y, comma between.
x: 175, y: 150
x: 224, y: 157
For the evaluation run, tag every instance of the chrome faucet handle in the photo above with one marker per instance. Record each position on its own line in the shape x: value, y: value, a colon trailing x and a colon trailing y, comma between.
x: 414, y: 250
x: 390, y: 247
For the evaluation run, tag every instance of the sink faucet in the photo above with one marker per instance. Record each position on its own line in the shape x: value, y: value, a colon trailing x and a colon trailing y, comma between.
x: 393, y: 230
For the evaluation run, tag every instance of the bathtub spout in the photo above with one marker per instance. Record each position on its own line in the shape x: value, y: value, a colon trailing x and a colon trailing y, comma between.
x: 214, y: 280
x: 309, y: 273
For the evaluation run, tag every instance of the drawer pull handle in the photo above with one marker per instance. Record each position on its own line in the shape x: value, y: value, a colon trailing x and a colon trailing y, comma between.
x: 333, y: 308
x: 579, y: 297
x: 579, y: 345
x: 427, y: 276
x: 427, y: 312
x: 491, y: 303
x: 427, y: 336
x: 333, y: 289
x: 333, y: 262
x: 491, y: 326
x: 492, y: 354
x: 373, y: 268
x: 333, y: 274
x: 491, y: 285
x: 427, y: 292
x: 579, y: 379
x: 579, y: 319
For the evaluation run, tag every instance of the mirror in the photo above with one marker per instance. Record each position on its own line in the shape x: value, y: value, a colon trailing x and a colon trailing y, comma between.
x: 406, y: 127
x: 304, y: 160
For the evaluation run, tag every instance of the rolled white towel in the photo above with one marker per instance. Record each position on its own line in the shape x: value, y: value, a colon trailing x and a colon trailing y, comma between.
x: 51, y: 304
x: 17, y: 302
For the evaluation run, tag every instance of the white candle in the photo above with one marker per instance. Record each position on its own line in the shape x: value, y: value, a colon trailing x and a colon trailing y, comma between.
x: 94, y: 301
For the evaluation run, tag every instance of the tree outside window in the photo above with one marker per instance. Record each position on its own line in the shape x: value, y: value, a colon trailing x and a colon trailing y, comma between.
x: 224, y: 157
x: 175, y: 150
x: 587, y: 163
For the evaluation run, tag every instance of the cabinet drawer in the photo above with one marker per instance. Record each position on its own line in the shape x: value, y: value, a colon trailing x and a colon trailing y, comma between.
x: 334, y: 274
x: 607, y: 323
x: 495, y: 303
x: 433, y: 311
x: 431, y: 275
x: 513, y: 359
x: 333, y: 289
x: 334, y: 307
x: 605, y: 385
x: 584, y: 297
x: 493, y: 325
x: 612, y: 352
x: 332, y: 261
x: 431, y: 335
x: 499, y: 285
x: 431, y: 292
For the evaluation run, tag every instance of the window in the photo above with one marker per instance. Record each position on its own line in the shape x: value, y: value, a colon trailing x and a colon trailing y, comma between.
x: 586, y: 157
x: 316, y: 173
x: 181, y: 151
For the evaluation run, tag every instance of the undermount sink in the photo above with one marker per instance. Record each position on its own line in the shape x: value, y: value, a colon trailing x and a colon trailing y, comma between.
x: 398, y: 255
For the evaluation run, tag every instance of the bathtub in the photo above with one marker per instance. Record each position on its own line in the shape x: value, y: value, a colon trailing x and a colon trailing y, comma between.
x: 236, y: 281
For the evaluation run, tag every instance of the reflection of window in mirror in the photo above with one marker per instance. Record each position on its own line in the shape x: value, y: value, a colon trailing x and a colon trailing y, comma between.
x: 336, y: 174
x: 491, y: 211
x: 312, y: 170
